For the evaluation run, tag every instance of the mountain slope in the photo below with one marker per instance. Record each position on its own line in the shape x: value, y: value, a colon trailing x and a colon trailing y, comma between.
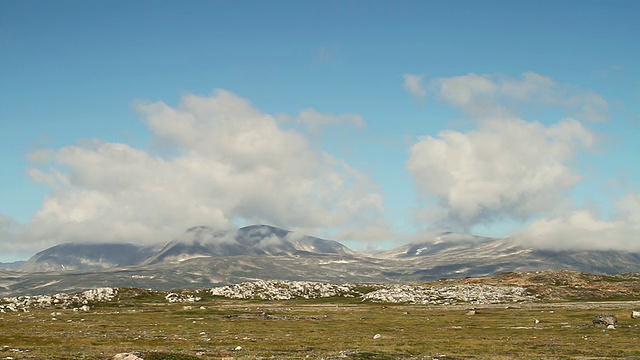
x: 461, y: 255
x: 196, y: 242
x: 74, y: 256
x: 203, y: 241
x: 11, y: 265
x: 204, y: 257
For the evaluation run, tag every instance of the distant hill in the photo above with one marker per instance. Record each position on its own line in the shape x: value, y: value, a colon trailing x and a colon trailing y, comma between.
x: 204, y: 257
x: 12, y: 265
x: 203, y: 241
x: 463, y: 255
x: 196, y: 242
x: 73, y: 256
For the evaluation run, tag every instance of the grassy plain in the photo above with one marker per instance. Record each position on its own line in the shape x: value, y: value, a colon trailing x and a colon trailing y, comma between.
x: 214, y: 328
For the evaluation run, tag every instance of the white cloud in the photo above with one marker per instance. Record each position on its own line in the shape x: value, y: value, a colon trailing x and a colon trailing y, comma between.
x: 413, y: 84
x: 222, y: 161
x: 583, y: 229
x: 487, y: 95
x: 473, y: 93
x: 315, y: 121
x: 507, y: 169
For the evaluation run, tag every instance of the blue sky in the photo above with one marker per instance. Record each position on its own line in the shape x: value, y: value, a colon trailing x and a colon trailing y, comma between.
x: 373, y: 122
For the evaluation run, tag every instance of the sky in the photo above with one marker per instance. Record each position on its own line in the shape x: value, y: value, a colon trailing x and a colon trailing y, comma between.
x: 375, y: 123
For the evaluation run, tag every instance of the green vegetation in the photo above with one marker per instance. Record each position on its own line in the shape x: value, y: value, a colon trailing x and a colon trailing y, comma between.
x: 142, y: 322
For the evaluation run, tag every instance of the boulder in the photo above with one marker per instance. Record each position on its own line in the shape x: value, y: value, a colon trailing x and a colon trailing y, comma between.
x: 635, y: 314
x: 604, y: 320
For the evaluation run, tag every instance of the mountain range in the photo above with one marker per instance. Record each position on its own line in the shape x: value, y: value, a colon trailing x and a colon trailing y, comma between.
x: 204, y: 257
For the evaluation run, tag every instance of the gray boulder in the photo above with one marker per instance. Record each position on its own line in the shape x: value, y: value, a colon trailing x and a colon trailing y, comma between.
x: 605, y: 320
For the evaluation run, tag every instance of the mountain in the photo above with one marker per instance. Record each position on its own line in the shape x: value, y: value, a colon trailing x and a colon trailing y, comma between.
x: 203, y: 241
x: 463, y: 255
x: 204, y: 257
x: 11, y: 265
x: 73, y: 256
x: 196, y: 242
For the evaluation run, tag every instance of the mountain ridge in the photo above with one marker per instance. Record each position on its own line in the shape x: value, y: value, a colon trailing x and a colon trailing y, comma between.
x: 205, y: 257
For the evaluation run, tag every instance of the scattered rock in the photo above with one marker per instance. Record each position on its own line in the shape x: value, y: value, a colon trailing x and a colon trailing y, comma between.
x: 284, y: 290
x: 181, y: 298
x: 471, y: 312
x: 446, y: 295
x: 635, y: 314
x: 536, y: 321
x: 237, y: 348
x: 59, y: 301
x: 604, y: 320
x: 126, y: 356
x: 377, y: 336
x: 611, y: 326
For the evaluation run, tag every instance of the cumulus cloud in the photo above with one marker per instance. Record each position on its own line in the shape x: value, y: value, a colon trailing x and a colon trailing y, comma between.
x: 220, y: 161
x: 413, y: 84
x: 583, y: 229
x: 506, y: 169
x: 491, y: 95
x: 510, y: 169
x: 315, y: 121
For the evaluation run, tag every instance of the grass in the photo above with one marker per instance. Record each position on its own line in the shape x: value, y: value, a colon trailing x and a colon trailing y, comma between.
x: 144, y: 323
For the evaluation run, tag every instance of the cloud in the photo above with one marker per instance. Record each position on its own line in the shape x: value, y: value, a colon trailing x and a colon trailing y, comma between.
x: 583, y: 229
x: 10, y: 234
x: 490, y: 95
x: 217, y: 160
x: 413, y: 84
x: 506, y: 169
x: 315, y: 121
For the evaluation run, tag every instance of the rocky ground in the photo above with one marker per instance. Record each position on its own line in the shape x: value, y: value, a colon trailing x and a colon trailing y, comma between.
x: 78, y: 301
x: 535, y: 315
x: 505, y: 288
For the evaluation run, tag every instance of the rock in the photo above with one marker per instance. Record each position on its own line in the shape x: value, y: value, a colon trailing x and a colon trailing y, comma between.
x: 604, y: 320
x: 611, y: 327
x: 181, y: 298
x: 635, y: 314
x: 126, y: 356
x: 377, y: 336
x: 536, y: 321
x: 445, y: 295
x: 58, y: 301
x: 237, y: 348
x: 471, y: 312
x: 284, y: 290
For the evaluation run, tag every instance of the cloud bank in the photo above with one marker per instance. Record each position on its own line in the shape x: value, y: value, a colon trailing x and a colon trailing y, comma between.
x: 217, y: 160
x: 583, y: 229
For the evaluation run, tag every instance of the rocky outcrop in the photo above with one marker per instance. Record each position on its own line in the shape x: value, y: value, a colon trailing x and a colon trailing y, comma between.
x: 415, y: 294
x: 446, y: 295
x: 77, y: 302
x: 284, y: 290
